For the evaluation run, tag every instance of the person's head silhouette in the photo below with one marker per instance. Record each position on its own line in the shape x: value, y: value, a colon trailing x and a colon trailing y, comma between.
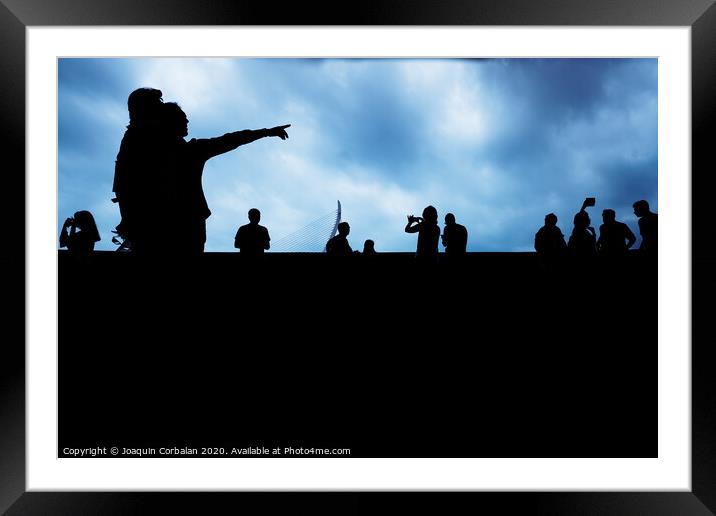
x: 430, y: 215
x: 344, y: 229
x: 254, y: 216
x: 174, y: 120
x: 582, y: 220
x: 84, y: 221
x: 449, y: 219
x: 608, y: 216
x: 369, y: 247
x: 641, y: 208
x: 143, y: 105
x: 550, y: 219
x: 79, y: 233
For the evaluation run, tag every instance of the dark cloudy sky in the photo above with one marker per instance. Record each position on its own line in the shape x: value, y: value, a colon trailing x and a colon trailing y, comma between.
x: 499, y: 143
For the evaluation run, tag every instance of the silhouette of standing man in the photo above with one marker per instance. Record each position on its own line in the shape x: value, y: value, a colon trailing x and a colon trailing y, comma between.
x: 454, y: 238
x: 252, y: 239
x: 338, y: 245
x: 615, y: 237
x: 648, y: 226
x: 136, y: 184
x: 187, y: 160
x: 549, y: 240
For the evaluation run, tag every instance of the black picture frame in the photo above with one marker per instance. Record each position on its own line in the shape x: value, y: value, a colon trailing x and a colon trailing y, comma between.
x: 16, y: 15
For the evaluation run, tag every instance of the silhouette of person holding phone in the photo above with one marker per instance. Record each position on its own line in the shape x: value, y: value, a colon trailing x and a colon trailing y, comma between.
x: 79, y: 234
x: 582, y: 242
x: 428, y: 234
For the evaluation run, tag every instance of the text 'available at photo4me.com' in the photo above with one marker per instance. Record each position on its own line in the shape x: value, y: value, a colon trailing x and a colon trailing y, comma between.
x: 187, y: 451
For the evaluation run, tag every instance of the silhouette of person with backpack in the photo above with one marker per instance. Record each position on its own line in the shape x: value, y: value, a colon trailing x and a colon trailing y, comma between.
x: 428, y: 234
x: 186, y: 162
x: 252, y: 239
x: 648, y: 227
x: 79, y: 234
x: 338, y: 245
x: 615, y: 238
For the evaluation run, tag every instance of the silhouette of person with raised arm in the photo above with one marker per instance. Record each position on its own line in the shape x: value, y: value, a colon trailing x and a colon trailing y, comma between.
x: 187, y: 160
x: 338, y: 245
x: 252, y: 239
x: 369, y: 247
x: 648, y: 227
x: 136, y: 182
x: 428, y: 234
x: 79, y: 234
x: 454, y: 238
x: 549, y: 240
x: 582, y: 242
x: 615, y: 237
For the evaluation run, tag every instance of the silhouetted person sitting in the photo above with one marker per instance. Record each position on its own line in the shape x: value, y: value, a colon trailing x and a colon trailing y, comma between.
x: 583, y: 240
x: 338, y: 245
x: 549, y: 240
x: 79, y: 234
x: 615, y: 237
x: 428, y: 234
x: 137, y: 173
x: 252, y: 239
x: 454, y: 238
x: 648, y: 227
x: 187, y: 161
x: 369, y: 247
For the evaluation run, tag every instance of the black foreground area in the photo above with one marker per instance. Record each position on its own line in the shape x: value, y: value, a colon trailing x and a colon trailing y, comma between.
x: 496, y: 358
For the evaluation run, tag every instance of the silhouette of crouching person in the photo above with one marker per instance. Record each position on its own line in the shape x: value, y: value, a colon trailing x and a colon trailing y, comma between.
x: 187, y: 160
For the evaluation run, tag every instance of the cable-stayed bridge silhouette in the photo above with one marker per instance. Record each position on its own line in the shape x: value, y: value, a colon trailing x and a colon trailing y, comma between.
x: 312, y: 237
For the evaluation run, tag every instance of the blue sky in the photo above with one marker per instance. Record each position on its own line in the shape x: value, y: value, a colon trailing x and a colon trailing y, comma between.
x: 499, y: 143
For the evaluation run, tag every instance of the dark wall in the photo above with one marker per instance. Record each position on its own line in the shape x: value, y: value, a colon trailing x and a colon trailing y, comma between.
x: 496, y: 357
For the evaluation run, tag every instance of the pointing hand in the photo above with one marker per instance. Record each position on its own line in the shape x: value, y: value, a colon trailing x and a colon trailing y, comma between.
x: 279, y: 131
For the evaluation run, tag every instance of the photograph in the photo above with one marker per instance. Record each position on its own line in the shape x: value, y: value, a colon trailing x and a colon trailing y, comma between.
x: 357, y: 257
x: 352, y: 259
